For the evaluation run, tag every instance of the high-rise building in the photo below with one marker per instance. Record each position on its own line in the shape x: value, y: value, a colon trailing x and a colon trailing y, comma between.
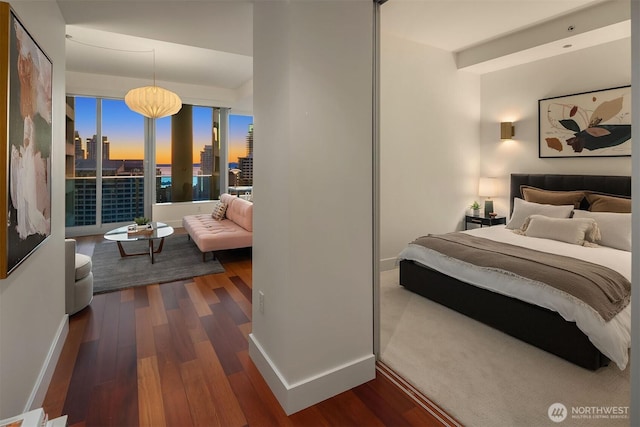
x: 206, y: 160
x: 122, y: 200
x: 245, y: 164
x: 106, y: 152
x: 122, y: 191
x: 92, y: 148
x: 250, y: 141
x: 77, y: 142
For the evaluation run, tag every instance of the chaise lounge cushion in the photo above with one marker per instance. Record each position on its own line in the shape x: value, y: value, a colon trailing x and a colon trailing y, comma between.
x: 213, y: 235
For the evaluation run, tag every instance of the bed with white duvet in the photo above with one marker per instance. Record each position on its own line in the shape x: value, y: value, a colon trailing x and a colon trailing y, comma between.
x: 612, y: 338
x: 557, y: 276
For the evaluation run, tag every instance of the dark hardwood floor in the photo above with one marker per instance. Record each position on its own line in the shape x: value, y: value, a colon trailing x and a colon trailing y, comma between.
x: 176, y: 354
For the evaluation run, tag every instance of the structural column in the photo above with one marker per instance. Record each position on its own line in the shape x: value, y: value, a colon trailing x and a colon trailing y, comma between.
x: 313, y: 263
x: 182, y: 155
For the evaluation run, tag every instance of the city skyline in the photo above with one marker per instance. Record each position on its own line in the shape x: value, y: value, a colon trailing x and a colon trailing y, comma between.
x: 125, y: 131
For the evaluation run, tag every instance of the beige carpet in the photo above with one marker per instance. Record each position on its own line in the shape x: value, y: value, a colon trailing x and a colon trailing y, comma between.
x: 484, y: 377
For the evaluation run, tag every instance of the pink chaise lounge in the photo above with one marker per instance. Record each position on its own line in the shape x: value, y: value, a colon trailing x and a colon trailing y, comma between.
x: 232, y: 232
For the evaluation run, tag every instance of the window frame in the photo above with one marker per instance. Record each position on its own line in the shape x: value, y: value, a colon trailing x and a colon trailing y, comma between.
x: 149, y: 162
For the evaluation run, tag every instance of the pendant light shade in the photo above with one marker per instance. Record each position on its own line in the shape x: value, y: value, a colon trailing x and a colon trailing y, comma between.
x: 150, y: 101
x: 153, y: 101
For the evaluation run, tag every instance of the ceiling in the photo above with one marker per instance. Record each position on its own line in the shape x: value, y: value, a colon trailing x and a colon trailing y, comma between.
x: 454, y: 25
x: 197, y: 42
x: 209, y: 42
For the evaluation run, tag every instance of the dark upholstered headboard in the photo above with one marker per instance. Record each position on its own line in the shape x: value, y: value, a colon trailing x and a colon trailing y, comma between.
x: 609, y: 184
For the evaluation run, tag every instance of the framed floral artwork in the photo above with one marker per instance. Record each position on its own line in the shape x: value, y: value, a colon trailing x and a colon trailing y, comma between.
x: 588, y: 124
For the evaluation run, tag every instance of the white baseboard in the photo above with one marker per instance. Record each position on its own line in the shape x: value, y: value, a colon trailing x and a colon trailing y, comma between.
x: 41, y: 386
x: 388, y: 264
x: 298, y: 396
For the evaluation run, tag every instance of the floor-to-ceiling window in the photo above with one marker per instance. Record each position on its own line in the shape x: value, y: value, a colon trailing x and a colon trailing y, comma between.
x: 107, y: 176
x: 105, y: 165
x: 240, y: 155
x: 80, y: 181
x: 204, y: 145
x: 122, y: 157
x: 208, y: 148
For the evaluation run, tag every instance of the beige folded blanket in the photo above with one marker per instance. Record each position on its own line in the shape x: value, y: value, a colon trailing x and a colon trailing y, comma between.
x: 602, y: 288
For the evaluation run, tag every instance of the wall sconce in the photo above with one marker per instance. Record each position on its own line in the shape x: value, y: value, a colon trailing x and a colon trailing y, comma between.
x: 507, y: 130
x: 488, y: 187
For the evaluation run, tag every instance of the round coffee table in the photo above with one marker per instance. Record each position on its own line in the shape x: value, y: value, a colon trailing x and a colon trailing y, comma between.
x: 159, y: 231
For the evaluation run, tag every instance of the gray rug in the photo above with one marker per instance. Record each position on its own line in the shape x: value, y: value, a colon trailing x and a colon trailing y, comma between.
x: 179, y: 259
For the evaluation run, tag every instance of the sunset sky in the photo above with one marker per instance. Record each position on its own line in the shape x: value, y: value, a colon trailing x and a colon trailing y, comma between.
x: 124, y: 130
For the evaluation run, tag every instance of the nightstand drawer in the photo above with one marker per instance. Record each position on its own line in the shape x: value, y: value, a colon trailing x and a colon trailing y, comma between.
x: 483, y: 221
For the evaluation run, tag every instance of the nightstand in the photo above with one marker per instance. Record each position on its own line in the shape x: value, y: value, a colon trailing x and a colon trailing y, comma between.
x: 483, y: 220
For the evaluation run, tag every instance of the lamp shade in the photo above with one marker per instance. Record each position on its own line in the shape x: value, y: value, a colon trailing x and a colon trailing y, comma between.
x: 153, y: 101
x: 488, y: 187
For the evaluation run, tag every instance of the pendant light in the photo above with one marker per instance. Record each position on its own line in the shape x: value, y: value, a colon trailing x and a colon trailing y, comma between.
x: 153, y: 101
x: 150, y: 101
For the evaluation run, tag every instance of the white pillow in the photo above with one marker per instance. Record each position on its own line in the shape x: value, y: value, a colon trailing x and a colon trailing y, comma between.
x: 615, y: 228
x: 522, y: 209
x: 579, y: 231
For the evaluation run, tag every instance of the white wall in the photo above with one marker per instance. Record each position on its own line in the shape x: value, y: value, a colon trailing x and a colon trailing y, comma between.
x: 313, y: 233
x: 32, y: 319
x: 513, y: 94
x: 429, y: 148
x: 440, y: 131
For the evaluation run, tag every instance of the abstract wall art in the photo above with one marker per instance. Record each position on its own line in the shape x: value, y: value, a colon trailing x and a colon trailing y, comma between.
x: 589, y: 124
x: 25, y: 140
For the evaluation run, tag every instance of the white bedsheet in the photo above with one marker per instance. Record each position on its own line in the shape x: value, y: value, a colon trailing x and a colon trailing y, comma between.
x: 612, y: 338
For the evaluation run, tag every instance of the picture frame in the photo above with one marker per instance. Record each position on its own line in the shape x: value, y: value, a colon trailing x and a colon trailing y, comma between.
x: 587, y: 124
x: 25, y: 141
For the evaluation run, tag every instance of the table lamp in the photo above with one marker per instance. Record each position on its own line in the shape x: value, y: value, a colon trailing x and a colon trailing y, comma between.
x: 488, y: 188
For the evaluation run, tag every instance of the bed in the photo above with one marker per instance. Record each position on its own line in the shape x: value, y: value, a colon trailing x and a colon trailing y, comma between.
x: 532, y: 322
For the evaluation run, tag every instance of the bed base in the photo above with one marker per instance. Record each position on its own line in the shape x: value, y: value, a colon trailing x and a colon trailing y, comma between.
x: 530, y: 323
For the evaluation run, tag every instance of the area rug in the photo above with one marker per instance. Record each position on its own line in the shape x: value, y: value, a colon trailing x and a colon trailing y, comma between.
x: 484, y: 377
x: 180, y: 259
